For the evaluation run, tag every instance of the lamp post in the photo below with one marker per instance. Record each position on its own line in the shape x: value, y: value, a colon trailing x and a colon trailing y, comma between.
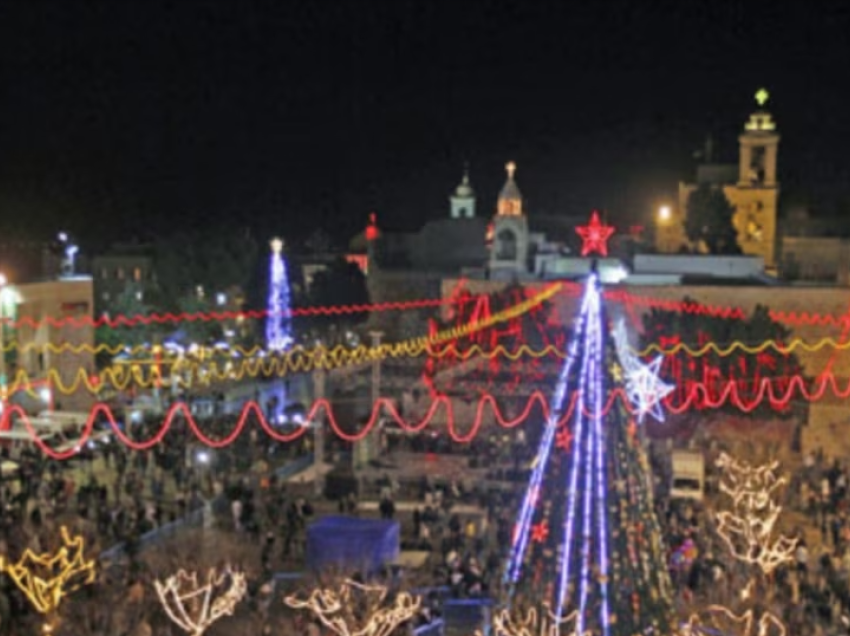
x: 3, y: 282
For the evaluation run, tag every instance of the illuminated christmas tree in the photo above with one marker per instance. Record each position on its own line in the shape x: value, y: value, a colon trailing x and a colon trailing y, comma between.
x: 587, y: 548
x: 279, y: 320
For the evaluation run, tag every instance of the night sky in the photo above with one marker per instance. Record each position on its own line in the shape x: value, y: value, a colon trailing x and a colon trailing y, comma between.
x: 122, y: 118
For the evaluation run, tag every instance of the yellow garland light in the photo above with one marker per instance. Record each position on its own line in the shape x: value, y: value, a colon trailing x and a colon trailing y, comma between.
x: 747, y: 529
x: 194, y: 607
x: 131, y: 373
x: 46, y: 579
x: 721, y: 619
x: 329, y: 607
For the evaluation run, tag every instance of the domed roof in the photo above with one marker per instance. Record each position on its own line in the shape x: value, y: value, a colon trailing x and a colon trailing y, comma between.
x: 464, y: 190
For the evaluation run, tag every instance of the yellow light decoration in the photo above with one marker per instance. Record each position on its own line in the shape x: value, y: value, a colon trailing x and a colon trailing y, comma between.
x: 45, y: 579
x: 420, y: 346
x: 535, y: 623
x: 193, y: 606
x: 722, y: 620
x: 334, y: 608
x: 748, y: 528
x: 299, y: 360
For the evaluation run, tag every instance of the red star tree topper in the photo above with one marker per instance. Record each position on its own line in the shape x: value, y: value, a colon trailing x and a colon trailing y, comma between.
x: 539, y: 532
x: 594, y: 236
x: 564, y: 439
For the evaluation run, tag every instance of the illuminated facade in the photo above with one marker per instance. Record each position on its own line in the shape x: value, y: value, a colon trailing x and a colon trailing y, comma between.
x: 752, y: 189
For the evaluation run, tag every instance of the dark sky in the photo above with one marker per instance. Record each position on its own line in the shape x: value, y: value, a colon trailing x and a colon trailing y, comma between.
x: 122, y: 117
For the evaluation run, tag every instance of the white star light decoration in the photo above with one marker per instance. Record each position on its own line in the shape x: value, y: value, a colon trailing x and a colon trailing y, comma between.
x: 643, y: 387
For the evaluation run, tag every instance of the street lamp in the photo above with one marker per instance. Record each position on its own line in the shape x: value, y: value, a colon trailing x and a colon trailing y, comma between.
x: 9, y: 298
x: 665, y: 213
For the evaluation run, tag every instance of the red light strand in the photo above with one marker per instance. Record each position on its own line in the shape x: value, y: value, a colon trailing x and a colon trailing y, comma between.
x: 698, y: 396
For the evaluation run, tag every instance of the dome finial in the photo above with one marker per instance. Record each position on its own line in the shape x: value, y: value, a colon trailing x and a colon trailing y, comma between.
x: 510, y: 167
x: 762, y: 96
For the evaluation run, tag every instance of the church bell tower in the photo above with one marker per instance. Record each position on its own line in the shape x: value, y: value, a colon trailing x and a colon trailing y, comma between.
x: 756, y: 195
x: 509, y: 250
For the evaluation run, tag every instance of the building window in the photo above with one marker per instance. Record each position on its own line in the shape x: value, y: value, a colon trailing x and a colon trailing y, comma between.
x: 105, y: 296
x: 137, y: 274
x: 119, y: 273
x: 104, y: 273
x: 139, y: 295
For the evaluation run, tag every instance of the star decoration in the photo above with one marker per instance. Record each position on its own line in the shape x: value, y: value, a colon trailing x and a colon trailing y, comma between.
x: 646, y: 390
x: 540, y: 532
x: 594, y: 236
x: 564, y: 439
x: 617, y: 372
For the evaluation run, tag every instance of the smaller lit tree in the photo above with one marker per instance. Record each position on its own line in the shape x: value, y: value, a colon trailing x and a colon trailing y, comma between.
x: 748, y: 526
x: 748, y: 529
x: 534, y: 623
x: 356, y: 609
x: 46, y: 579
x: 194, y: 606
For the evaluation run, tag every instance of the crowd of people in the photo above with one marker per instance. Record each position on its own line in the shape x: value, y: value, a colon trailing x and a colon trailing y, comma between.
x: 118, y: 496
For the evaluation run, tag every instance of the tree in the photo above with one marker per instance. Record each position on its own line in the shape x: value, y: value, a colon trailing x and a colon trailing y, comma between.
x: 130, y: 303
x: 694, y: 329
x: 587, y: 549
x: 709, y: 220
x: 341, y: 284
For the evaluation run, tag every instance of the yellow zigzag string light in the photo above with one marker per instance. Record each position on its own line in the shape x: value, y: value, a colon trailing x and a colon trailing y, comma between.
x: 194, y: 607
x: 45, y: 579
x: 300, y: 360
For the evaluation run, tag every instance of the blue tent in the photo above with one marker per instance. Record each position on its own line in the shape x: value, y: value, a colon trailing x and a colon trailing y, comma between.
x: 365, y: 544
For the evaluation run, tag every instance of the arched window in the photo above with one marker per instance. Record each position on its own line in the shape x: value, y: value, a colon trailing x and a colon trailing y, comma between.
x: 506, y: 245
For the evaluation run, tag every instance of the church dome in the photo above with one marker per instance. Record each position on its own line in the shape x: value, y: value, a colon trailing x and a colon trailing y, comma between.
x: 464, y: 189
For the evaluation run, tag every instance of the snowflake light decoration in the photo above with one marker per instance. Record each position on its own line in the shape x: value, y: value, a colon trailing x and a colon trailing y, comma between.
x: 644, y: 388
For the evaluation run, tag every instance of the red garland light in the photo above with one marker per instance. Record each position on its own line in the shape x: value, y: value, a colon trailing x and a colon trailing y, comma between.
x: 777, y: 391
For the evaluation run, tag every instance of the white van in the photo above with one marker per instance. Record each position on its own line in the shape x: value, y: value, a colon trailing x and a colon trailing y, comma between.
x: 688, y: 475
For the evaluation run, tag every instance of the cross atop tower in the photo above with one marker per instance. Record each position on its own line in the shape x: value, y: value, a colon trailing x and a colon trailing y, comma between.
x: 762, y: 96
x: 511, y: 169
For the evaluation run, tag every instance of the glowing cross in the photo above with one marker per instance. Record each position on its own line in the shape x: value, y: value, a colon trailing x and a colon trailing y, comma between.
x: 762, y: 96
x: 594, y: 236
x: 511, y: 168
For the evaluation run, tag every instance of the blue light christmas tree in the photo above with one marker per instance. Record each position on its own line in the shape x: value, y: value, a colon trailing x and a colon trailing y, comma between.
x: 587, y: 548
x: 279, y: 319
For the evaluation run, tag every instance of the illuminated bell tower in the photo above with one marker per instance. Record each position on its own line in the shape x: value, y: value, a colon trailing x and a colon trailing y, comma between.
x: 756, y: 195
x: 509, y: 249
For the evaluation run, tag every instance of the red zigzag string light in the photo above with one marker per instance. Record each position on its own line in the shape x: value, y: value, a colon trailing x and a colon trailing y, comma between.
x: 620, y: 296
x: 698, y: 397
